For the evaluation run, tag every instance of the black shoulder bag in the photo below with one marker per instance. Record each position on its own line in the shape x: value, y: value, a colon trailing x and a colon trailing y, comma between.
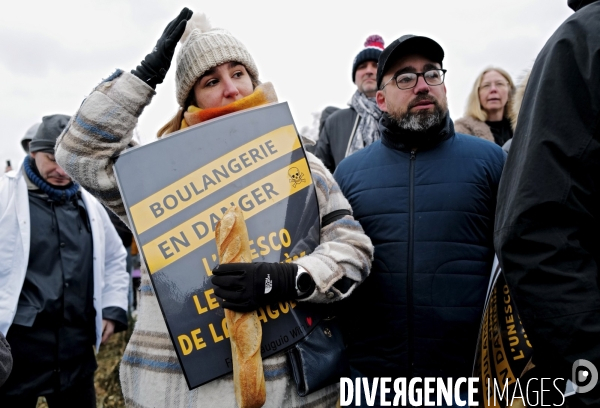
x: 320, y: 359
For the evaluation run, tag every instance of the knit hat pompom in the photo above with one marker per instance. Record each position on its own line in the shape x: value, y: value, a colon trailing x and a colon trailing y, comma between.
x: 375, y: 41
x: 204, y: 47
x: 199, y: 21
x: 374, y: 46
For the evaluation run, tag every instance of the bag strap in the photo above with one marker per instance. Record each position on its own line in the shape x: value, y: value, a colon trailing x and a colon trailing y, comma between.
x: 343, y: 284
x: 334, y: 216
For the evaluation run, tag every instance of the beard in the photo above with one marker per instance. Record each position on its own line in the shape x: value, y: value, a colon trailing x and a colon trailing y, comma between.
x: 421, y: 120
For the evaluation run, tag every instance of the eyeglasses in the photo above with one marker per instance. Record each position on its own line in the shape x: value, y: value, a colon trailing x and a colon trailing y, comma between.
x: 498, y: 84
x: 408, y: 80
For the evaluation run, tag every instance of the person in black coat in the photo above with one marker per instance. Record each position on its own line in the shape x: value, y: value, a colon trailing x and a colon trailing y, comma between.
x: 64, y: 291
x: 347, y: 130
x: 547, y: 232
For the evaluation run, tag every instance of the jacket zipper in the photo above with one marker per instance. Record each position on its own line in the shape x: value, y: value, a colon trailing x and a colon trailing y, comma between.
x: 409, y: 276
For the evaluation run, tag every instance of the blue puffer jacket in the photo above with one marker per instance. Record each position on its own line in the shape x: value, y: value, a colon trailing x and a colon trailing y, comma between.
x: 430, y: 215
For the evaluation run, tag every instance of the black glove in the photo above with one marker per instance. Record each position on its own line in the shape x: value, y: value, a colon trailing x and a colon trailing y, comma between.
x: 246, y: 286
x: 154, y: 67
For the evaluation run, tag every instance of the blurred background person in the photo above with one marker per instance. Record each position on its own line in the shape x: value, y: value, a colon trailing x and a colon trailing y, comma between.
x: 64, y: 284
x: 351, y: 129
x: 489, y: 107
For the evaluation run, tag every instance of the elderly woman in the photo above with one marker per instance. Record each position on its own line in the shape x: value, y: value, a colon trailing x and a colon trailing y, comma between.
x: 489, y: 107
x: 215, y: 76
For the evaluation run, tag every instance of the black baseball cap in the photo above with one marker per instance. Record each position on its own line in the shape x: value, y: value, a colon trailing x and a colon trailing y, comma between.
x: 408, y: 44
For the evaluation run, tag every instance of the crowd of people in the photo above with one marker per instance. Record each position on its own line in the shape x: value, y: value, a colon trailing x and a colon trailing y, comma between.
x: 414, y: 206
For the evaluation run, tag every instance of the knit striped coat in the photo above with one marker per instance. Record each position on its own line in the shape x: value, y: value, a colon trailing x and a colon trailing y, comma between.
x: 150, y: 372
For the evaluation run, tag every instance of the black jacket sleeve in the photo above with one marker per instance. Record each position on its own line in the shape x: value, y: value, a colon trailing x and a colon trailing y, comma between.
x: 548, y: 216
x: 334, y: 137
x: 117, y: 315
x: 323, y: 149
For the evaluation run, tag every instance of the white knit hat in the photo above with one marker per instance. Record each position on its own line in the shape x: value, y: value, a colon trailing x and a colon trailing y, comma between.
x: 204, y: 48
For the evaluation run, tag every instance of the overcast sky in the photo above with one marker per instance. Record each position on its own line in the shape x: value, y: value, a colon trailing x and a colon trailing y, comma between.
x: 52, y: 53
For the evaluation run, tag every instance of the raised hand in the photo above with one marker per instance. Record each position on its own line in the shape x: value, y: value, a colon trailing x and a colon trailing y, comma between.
x: 154, y: 67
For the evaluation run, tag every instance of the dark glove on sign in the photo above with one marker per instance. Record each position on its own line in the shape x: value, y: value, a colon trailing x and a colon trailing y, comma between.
x: 246, y: 286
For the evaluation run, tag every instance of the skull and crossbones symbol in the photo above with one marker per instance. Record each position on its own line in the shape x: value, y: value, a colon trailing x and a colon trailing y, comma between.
x: 296, y: 177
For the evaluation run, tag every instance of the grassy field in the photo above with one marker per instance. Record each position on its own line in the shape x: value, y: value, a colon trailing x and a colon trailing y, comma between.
x: 108, y: 387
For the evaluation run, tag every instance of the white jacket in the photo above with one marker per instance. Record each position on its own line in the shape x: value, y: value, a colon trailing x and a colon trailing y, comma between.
x: 111, y: 280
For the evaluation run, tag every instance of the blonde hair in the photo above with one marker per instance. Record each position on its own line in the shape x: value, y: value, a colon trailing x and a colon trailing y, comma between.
x: 518, y: 99
x: 474, y: 108
x: 174, y: 124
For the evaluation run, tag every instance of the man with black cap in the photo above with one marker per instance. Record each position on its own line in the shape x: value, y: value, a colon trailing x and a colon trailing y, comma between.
x: 547, y: 233
x: 64, y: 282
x: 426, y: 197
x: 348, y: 130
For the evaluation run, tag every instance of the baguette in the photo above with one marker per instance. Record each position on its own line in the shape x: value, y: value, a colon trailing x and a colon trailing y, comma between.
x: 245, y: 330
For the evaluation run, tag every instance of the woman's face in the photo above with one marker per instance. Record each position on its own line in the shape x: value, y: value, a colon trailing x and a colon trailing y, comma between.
x: 223, y: 84
x: 493, y: 92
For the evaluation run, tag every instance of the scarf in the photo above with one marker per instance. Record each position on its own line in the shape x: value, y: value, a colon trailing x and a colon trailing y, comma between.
x: 367, y: 131
x: 263, y: 94
x: 56, y: 193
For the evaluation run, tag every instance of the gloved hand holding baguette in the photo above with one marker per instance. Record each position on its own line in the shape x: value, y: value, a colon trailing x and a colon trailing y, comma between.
x: 246, y: 286
x: 245, y: 331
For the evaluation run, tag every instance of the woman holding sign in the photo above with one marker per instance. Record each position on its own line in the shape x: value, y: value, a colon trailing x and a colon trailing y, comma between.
x: 216, y: 75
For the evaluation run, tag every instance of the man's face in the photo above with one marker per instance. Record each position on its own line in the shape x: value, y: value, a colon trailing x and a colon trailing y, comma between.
x: 366, y: 78
x: 50, y: 170
x: 418, y: 108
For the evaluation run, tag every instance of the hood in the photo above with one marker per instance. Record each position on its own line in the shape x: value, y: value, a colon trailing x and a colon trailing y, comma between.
x: 578, y: 4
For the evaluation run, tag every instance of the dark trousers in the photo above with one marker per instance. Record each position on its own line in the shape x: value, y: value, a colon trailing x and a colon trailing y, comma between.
x: 81, y: 395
